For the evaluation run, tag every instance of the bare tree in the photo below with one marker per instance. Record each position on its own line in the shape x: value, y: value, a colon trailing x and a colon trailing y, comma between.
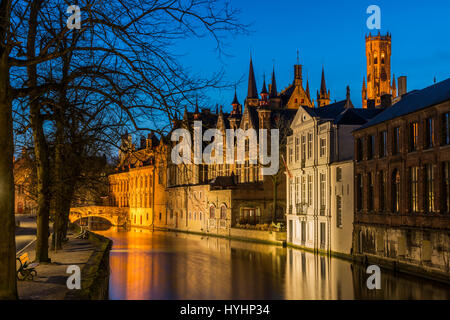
x: 123, y: 54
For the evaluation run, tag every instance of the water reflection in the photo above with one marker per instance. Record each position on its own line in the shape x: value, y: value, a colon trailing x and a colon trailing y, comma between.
x: 167, y: 265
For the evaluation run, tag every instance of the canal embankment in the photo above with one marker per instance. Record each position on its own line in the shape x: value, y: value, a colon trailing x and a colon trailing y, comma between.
x: 90, y: 255
x: 272, y: 237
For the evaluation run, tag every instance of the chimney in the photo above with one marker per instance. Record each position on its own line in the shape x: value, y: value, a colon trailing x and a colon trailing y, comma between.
x: 401, y: 85
x: 386, y: 100
x: 371, y: 104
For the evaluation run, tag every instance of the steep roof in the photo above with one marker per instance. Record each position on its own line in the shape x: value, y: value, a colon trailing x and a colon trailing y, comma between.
x: 252, y: 92
x: 414, y: 101
x: 338, y: 113
x: 323, y: 86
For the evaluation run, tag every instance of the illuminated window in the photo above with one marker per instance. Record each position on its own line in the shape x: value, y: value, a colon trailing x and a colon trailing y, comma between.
x: 310, y: 190
x: 303, y: 147
x: 223, y: 212
x: 322, y: 194
x: 382, y: 58
x: 303, y: 196
x: 395, y: 191
x: 290, y: 155
x: 309, y: 145
x: 413, y: 136
x: 323, y: 146
x: 429, y: 188
x: 414, y: 190
x: 297, y: 149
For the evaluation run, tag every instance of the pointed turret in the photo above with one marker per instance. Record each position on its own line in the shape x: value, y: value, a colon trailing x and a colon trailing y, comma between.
x: 196, y: 112
x: 323, y: 86
x: 273, y: 86
x: 264, y: 93
x: 348, y: 102
x: 307, y: 89
x: 394, y: 87
x: 236, y: 106
x: 252, y: 92
x: 323, y: 96
x: 264, y: 88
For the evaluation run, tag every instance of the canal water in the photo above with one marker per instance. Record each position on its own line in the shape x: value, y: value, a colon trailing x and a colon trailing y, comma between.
x: 169, y: 265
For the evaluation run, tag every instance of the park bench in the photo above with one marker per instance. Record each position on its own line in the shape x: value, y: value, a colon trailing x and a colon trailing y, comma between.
x: 26, y: 269
x: 84, y: 234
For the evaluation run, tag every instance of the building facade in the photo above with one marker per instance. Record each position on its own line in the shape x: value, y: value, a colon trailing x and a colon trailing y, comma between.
x: 402, y: 183
x: 139, y: 183
x: 25, y: 182
x: 320, y: 176
x: 215, y: 198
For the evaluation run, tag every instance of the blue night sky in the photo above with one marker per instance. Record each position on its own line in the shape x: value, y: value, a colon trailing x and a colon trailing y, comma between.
x: 329, y: 33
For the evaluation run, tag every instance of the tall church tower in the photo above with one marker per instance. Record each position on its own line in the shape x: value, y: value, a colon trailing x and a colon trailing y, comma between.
x: 378, y: 54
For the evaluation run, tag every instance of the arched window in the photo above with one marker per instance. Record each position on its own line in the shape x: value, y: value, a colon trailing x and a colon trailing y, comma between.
x: 375, y: 58
x: 200, y: 216
x: 395, y: 191
x: 382, y: 57
x: 212, y: 212
x: 223, y: 212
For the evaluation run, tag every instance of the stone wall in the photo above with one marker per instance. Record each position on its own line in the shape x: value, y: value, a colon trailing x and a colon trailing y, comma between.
x: 95, y: 274
x: 258, y: 235
x: 422, y: 251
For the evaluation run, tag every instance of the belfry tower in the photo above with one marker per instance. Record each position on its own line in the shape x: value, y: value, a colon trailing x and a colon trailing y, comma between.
x: 378, y: 55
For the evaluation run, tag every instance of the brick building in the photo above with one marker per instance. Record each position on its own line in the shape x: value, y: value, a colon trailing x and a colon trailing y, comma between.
x: 402, y: 179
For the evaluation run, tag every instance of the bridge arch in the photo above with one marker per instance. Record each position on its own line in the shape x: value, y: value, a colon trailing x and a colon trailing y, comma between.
x: 115, y: 215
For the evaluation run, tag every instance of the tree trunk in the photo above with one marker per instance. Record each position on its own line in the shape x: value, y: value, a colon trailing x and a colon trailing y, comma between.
x: 40, y: 143
x: 43, y: 184
x: 8, y: 284
x: 59, y: 185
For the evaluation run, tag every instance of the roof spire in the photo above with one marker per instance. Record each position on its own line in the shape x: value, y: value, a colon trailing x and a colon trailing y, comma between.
x: 273, y: 87
x: 348, y: 103
x: 196, y: 104
x: 235, y: 100
x: 323, y: 87
x: 264, y: 88
x: 252, y: 92
x: 307, y: 89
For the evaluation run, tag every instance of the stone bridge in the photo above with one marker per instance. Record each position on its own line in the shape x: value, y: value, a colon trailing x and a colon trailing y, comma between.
x: 115, y: 215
